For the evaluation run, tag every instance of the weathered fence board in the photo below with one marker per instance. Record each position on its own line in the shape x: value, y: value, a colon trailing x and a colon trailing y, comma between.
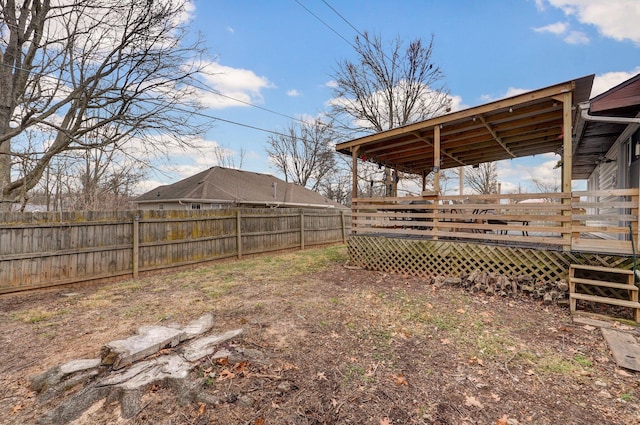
x: 39, y: 250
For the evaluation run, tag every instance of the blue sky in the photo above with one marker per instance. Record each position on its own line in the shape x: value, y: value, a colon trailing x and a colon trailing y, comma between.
x: 280, y: 55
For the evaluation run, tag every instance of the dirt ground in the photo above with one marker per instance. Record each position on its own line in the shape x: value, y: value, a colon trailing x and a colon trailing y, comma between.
x: 340, y: 346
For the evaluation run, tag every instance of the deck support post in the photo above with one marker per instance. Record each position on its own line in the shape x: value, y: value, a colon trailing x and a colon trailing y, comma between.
x: 567, y: 152
x: 436, y: 177
x: 354, y: 171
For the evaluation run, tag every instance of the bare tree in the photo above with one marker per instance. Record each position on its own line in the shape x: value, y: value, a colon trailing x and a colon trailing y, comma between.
x: 305, y: 155
x: 388, y: 88
x: 482, y: 179
x: 226, y: 157
x: 546, y: 186
x: 72, y: 67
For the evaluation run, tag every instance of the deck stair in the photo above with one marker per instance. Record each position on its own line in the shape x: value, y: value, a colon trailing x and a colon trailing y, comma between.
x: 604, y: 285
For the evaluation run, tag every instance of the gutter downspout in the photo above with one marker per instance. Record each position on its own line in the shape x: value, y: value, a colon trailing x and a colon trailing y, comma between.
x: 584, y: 109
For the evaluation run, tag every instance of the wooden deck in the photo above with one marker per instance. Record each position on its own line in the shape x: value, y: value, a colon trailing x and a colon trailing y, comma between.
x: 587, y: 221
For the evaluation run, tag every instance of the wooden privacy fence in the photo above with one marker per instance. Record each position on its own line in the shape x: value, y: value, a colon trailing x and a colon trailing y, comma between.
x: 41, y: 250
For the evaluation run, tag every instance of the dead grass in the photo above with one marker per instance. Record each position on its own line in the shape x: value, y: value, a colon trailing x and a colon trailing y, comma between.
x: 352, y: 346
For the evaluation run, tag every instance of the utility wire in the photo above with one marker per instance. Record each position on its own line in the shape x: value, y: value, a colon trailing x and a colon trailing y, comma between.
x: 343, y: 18
x: 325, y: 24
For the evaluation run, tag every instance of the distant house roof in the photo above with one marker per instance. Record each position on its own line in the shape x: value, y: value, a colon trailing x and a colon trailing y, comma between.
x: 219, y: 185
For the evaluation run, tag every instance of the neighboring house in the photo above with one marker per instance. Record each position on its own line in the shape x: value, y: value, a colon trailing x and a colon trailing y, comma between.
x: 220, y: 187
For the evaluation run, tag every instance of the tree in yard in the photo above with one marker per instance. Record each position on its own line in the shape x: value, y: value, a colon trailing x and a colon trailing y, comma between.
x: 387, y: 88
x: 482, y: 179
x: 305, y: 154
x: 71, y: 68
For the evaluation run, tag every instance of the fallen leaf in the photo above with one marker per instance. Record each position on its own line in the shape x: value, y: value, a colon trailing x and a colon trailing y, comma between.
x: 18, y: 407
x: 588, y: 327
x: 445, y: 341
x: 289, y: 366
x: 530, y: 372
x: 321, y: 376
x: 385, y: 421
x: 504, y: 420
x: 495, y: 397
x: 202, y: 409
x: 241, y: 367
x: 225, y: 374
x: 258, y: 421
x: 471, y: 401
x: 461, y: 311
x: 223, y: 361
x: 400, y: 379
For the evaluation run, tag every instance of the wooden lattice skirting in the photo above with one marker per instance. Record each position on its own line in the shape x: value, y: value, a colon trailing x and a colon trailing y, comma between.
x: 453, y: 258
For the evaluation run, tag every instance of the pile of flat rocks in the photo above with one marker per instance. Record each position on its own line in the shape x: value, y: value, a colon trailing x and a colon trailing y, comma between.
x: 126, y: 369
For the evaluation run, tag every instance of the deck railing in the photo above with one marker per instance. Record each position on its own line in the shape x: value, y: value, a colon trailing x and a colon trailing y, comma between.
x: 597, y: 221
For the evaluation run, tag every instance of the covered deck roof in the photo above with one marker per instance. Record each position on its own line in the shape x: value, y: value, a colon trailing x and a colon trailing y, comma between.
x: 528, y: 124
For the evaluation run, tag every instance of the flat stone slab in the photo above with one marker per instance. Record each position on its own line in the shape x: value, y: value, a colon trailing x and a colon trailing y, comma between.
x: 150, y: 340
x: 625, y: 348
x: 204, y: 346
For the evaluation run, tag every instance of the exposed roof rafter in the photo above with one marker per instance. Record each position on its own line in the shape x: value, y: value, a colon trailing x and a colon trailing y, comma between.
x: 495, y: 136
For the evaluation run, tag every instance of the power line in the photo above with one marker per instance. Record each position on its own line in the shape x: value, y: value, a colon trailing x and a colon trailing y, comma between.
x: 325, y: 24
x: 343, y: 18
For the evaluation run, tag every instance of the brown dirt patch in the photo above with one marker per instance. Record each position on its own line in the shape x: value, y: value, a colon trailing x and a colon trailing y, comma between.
x: 341, y: 346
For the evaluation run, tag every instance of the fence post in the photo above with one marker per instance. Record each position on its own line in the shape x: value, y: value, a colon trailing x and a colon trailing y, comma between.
x: 136, y: 244
x: 344, y: 228
x: 301, y: 230
x: 239, y: 234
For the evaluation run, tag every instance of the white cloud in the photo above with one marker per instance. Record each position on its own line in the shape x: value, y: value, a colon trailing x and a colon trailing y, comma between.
x: 521, y: 172
x: 557, y: 28
x: 293, y: 93
x: 604, y: 82
x: 540, y: 5
x: 233, y: 83
x: 230, y: 30
x: 457, y: 104
x: 511, y: 91
x: 616, y: 19
x: 332, y: 84
x: 576, y: 37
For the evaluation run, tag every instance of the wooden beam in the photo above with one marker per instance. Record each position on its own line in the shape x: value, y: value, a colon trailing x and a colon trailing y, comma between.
x: 495, y: 136
x: 566, y: 143
x: 354, y: 172
x: 442, y: 150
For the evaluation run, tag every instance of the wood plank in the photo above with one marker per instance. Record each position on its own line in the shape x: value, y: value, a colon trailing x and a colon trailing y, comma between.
x: 625, y: 348
x: 604, y: 283
x: 606, y: 300
x: 600, y: 269
x: 601, y: 246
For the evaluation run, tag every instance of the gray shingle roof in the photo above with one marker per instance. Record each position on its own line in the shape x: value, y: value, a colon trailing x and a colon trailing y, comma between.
x: 231, y: 186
